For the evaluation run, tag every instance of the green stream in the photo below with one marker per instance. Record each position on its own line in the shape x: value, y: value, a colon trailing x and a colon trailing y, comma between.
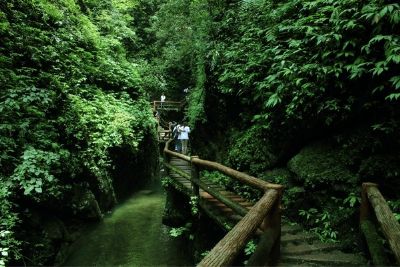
x: 132, y: 235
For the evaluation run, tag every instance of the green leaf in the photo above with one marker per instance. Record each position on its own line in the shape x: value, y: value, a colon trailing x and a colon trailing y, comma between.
x: 28, y: 189
x: 38, y: 189
x: 396, y: 82
x: 273, y: 100
x: 393, y: 96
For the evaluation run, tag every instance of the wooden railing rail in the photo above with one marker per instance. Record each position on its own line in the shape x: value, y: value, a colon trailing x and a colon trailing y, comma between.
x: 164, y: 135
x: 157, y: 104
x: 225, y: 252
x: 168, y: 152
x: 240, y: 176
x: 372, y: 202
x: 264, y: 214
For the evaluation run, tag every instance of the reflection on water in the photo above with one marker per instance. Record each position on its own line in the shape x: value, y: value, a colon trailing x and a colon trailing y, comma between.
x: 132, y: 235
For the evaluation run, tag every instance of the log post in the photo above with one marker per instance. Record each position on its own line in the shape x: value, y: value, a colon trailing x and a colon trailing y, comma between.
x: 224, y: 253
x: 365, y: 207
x: 273, y: 222
x: 276, y: 224
x: 165, y: 154
x: 195, y: 177
x: 268, y: 248
x: 375, y: 247
x: 386, y: 219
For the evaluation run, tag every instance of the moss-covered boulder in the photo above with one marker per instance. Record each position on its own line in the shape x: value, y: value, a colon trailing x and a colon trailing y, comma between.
x: 322, y: 164
x: 84, y: 204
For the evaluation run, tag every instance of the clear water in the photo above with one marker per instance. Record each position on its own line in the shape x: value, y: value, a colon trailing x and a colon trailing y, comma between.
x: 132, y: 235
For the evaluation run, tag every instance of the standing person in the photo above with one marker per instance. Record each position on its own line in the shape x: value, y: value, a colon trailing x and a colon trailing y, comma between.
x: 176, y: 135
x: 162, y: 99
x: 185, y: 91
x: 185, y: 138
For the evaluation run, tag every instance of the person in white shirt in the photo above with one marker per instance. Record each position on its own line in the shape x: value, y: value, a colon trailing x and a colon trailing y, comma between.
x: 162, y: 100
x: 184, y: 136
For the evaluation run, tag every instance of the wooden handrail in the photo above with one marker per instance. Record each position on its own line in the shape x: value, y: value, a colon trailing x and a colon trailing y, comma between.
x: 374, y: 202
x: 240, y: 176
x: 224, y: 253
x: 167, y: 103
x: 230, y: 246
x: 173, y: 153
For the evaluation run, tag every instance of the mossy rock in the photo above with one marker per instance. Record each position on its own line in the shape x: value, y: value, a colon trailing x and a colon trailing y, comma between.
x: 320, y: 164
x: 85, y: 205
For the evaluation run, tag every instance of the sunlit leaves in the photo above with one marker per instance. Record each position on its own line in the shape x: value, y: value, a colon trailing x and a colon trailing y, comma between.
x: 36, y: 173
x: 102, y: 122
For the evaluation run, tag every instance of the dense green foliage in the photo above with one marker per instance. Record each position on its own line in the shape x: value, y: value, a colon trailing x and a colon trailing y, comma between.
x: 304, y: 64
x: 69, y: 94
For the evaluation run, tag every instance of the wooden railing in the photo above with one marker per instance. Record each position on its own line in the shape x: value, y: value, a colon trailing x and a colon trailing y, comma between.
x: 168, y: 105
x: 373, y: 203
x: 265, y: 214
x: 164, y: 135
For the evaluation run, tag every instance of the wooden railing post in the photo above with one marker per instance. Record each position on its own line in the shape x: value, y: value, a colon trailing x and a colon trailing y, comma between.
x: 268, y: 249
x: 365, y: 208
x: 276, y: 222
x: 195, y: 177
x: 226, y: 250
x: 165, y: 154
x: 388, y: 223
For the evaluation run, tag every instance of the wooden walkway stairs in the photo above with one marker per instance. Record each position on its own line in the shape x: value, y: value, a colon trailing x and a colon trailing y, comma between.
x: 298, y: 248
x: 217, y: 210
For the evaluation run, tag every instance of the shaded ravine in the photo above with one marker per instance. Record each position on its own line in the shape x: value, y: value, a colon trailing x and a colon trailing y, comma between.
x: 132, y: 235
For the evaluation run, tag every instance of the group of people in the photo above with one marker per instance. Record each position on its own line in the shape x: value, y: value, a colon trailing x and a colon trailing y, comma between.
x: 180, y: 134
